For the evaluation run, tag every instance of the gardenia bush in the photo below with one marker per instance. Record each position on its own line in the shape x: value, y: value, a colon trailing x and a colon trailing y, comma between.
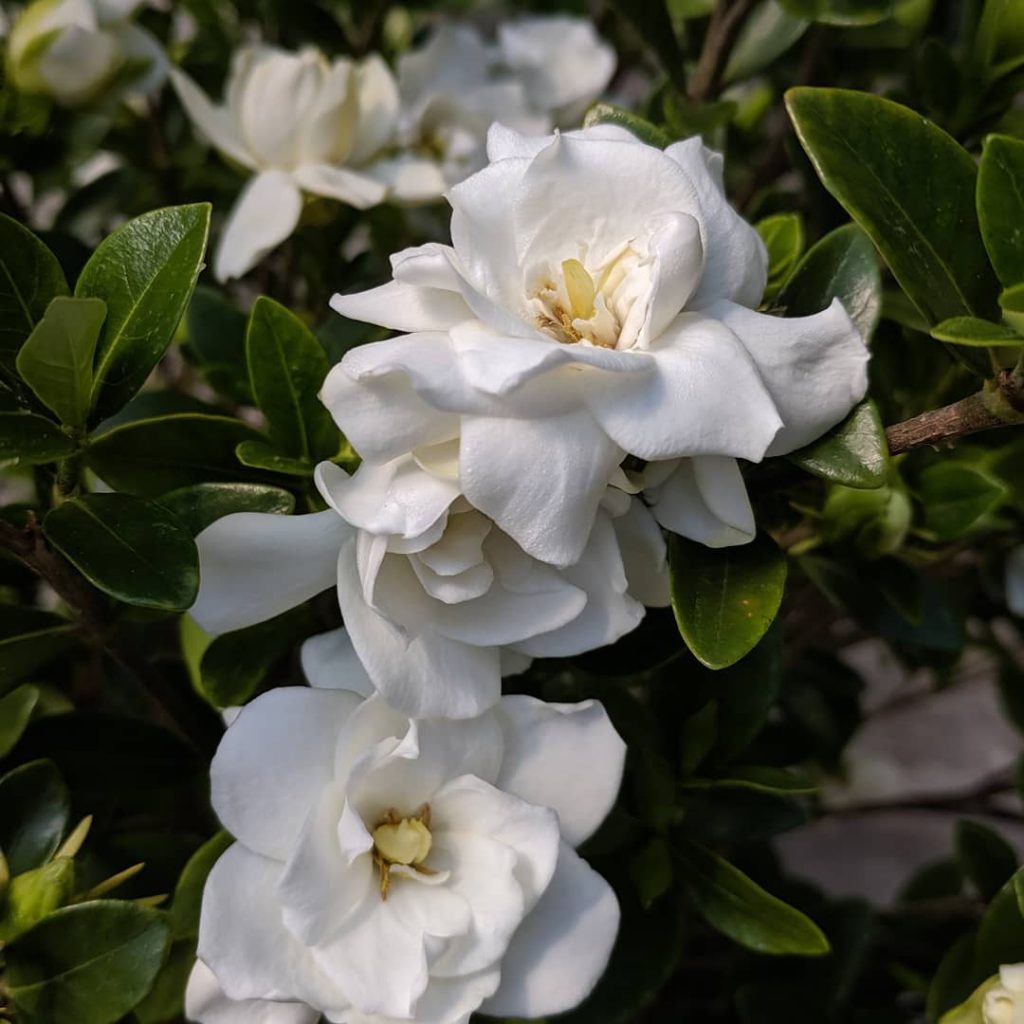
x: 453, y: 600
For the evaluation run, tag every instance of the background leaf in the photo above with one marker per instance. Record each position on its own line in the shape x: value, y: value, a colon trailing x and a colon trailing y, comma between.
x: 32, y: 439
x: 1001, y: 205
x: 34, y: 811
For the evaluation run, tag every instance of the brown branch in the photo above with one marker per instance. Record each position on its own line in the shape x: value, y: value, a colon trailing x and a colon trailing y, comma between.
x: 725, y: 24
x: 1000, y: 405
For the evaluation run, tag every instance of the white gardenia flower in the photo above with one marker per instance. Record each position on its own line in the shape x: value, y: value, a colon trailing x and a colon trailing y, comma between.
x: 437, y: 601
x: 1004, y: 1002
x: 598, y: 301
x: 562, y: 61
x: 300, y: 123
x: 1015, y: 581
x: 75, y: 50
x: 390, y: 869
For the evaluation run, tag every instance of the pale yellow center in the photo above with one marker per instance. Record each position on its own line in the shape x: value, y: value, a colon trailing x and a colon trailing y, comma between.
x: 404, y: 842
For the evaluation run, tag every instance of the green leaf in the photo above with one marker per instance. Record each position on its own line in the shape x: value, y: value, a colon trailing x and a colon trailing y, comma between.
x: 725, y: 599
x: 975, y: 333
x: 35, y: 894
x: 909, y: 186
x: 15, y: 711
x: 842, y: 265
x: 697, y: 737
x: 841, y: 12
x: 738, y: 907
x: 154, y: 456
x: 87, y: 964
x: 202, y: 504
x: 762, y: 778
x: 1011, y: 302
x: 999, y: 42
x: 32, y: 439
x: 607, y: 113
x: 783, y: 234
x: 1000, y: 938
x: 768, y: 32
x: 287, y: 367
x: 216, y: 341
x: 34, y: 809
x: 30, y: 278
x: 987, y: 859
x: 136, y: 551
x: 955, y: 497
x: 188, y: 894
x: 1001, y: 205
x: 56, y: 360
x: 652, y: 871
x: 854, y: 454
x: 260, y: 455
x: 30, y: 639
x: 145, y: 272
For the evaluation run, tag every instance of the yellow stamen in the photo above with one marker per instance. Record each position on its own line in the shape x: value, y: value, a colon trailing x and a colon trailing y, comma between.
x: 579, y: 286
x: 407, y: 842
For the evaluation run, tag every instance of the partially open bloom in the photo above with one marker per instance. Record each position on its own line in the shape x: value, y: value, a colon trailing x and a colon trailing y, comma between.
x: 598, y: 301
x: 74, y: 50
x: 1015, y: 581
x: 437, y: 601
x: 388, y: 869
x: 300, y: 123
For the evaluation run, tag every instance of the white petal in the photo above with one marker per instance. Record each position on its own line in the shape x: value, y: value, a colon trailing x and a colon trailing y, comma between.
x: 254, y: 565
x: 374, y: 395
x: 564, y: 756
x: 245, y: 943
x: 206, y: 1003
x: 540, y: 480
x: 328, y: 125
x: 78, y: 62
x: 815, y: 367
x: 735, y: 258
x: 644, y: 555
x: 706, y: 500
x: 1015, y: 581
x: 409, y: 178
x: 377, y: 116
x: 677, y: 258
x: 352, y: 187
x: 264, y: 215
x: 609, y: 612
x: 705, y: 397
x: 403, y: 307
x: 562, y: 948
x: 504, y: 141
x: 274, y: 761
x: 329, y: 662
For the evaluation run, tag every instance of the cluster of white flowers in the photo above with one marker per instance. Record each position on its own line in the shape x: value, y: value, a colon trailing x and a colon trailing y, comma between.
x: 356, y: 132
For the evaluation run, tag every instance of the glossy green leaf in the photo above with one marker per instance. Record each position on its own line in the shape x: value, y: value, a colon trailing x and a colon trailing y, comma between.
x: 783, y: 235
x: 15, y: 711
x: 955, y: 497
x: 1001, y: 205
x: 841, y: 12
x: 154, y: 456
x: 202, y: 504
x: 145, y: 272
x: 725, y: 599
x: 854, y: 454
x: 34, y: 807
x: 738, y: 907
x: 607, y: 113
x: 260, y: 455
x: 56, y: 360
x: 843, y: 265
x: 988, y: 861
x: 136, y: 551
x: 30, y: 639
x: 30, y: 278
x: 87, y: 964
x: 216, y: 341
x: 188, y: 894
x: 909, y: 186
x: 32, y: 439
x: 287, y: 367
x: 975, y: 333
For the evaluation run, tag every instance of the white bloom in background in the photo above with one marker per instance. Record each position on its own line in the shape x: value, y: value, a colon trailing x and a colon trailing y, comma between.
x: 75, y: 50
x: 598, y: 301
x: 561, y: 60
x: 301, y: 124
x: 438, y: 603
x: 388, y: 869
x: 1015, y: 581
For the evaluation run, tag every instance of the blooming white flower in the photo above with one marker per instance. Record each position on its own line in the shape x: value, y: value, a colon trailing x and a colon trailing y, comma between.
x: 561, y: 60
x: 390, y: 869
x: 597, y: 301
x: 74, y: 50
x: 1015, y: 581
x: 301, y: 124
x: 438, y: 602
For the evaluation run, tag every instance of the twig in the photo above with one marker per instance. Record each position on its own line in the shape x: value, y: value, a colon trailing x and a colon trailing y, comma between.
x: 999, y: 405
x: 723, y: 28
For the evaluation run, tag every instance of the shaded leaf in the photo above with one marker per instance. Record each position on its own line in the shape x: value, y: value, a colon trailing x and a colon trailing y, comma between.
x: 1001, y: 205
x: 988, y: 861
x: 607, y: 113
x: 955, y: 497
x: 32, y: 439
x: 260, y: 455
x: 15, y: 711
x: 783, y: 235
x: 188, y: 894
x: 202, y: 504
x: 34, y: 809
x: 976, y: 333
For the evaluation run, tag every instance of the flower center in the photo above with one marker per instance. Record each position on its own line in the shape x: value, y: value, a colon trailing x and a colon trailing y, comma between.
x: 594, y: 306
x: 401, y: 841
